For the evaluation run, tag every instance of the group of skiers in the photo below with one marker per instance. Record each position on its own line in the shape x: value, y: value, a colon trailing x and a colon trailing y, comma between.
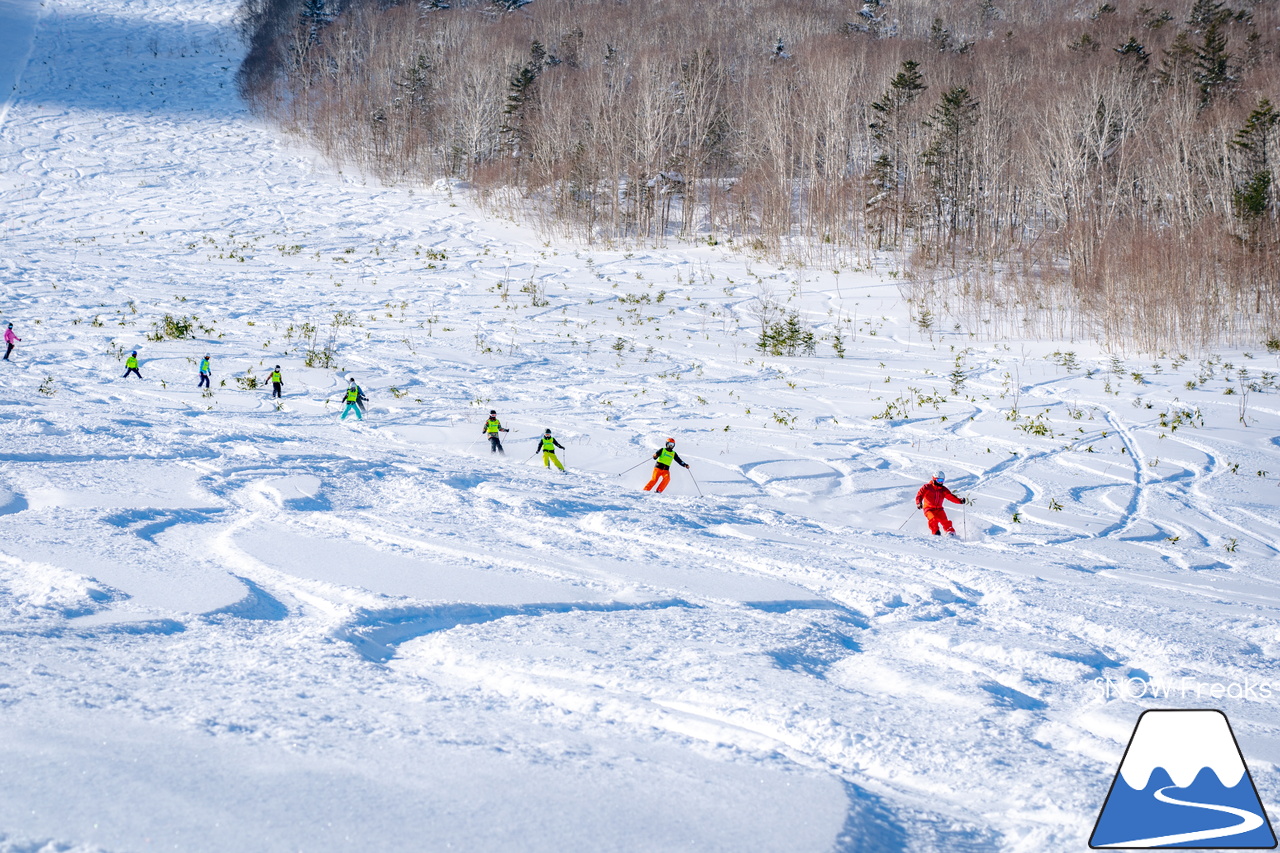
x: 353, y: 396
x: 663, y: 456
x: 547, y: 443
x: 930, y: 498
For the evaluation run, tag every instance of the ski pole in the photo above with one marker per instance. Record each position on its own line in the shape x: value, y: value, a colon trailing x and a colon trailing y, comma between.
x: 964, y: 514
x: 633, y: 467
x: 695, y: 480
x: 905, y: 520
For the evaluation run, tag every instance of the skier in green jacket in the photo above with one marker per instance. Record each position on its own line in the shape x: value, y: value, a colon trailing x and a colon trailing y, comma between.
x: 131, y: 365
x: 361, y: 399
x: 492, y: 427
x: 549, y: 445
x: 352, y: 398
x: 204, y: 373
x: 664, y: 456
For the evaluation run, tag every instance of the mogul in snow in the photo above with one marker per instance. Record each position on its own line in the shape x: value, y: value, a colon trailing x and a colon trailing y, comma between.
x: 548, y: 446
x: 131, y: 365
x: 665, y: 455
x: 930, y: 499
x: 491, y: 428
x: 352, y: 398
x: 10, y: 338
x: 204, y: 373
x: 277, y: 382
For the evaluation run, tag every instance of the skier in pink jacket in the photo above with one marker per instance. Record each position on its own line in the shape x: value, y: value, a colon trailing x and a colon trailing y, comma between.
x: 10, y: 338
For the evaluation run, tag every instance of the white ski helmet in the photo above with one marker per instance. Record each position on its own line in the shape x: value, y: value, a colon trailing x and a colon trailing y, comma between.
x: 940, y: 477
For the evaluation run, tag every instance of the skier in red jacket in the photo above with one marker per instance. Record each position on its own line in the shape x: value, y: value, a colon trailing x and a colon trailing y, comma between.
x: 930, y: 498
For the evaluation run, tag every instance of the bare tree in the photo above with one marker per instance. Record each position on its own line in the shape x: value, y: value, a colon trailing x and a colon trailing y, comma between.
x: 1111, y: 172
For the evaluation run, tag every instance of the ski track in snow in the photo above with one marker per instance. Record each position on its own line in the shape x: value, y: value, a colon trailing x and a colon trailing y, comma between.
x: 206, y: 601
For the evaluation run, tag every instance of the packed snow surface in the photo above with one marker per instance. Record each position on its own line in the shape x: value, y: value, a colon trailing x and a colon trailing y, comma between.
x: 231, y: 623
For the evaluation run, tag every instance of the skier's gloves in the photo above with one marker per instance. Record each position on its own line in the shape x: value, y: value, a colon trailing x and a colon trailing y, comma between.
x: 964, y: 500
x: 919, y: 506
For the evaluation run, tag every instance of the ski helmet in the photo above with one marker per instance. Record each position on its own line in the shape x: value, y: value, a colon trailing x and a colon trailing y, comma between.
x: 546, y: 432
x: 493, y: 412
x: 671, y: 441
x: 940, y: 477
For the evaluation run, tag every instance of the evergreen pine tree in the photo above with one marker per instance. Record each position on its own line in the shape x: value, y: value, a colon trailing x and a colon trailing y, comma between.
x: 520, y: 93
x: 950, y: 156
x: 1205, y: 13
x: 1256, y: 135
x: 1134, y: 52
x: 1254, y: 143
x: 1252, y: 197
x: 415, y: 82
x: 940, y: 36
x: 904, y: 88
x: 890, y: 128
x: 1213, y: 73
x: 786, y: 336
x: 315, y: 17
x: 872, y: 19
x: 1178, y: 65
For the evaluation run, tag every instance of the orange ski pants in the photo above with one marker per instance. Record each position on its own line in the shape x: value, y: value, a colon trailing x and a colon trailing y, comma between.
x: 661, y: 476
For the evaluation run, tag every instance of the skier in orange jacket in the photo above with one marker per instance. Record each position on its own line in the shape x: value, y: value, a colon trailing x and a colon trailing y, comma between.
x: 930, y: 498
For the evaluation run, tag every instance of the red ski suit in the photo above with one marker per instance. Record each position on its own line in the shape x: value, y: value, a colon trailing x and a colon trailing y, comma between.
x: 930, y: 498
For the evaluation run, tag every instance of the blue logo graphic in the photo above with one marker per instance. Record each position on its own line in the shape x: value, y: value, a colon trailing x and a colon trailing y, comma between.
x: 1183, y: 783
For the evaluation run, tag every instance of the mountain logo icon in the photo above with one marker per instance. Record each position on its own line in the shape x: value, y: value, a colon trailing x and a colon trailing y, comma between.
x: 1183, y: 784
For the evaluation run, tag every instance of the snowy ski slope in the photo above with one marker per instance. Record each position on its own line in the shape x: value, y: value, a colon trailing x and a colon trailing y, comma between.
x: 226, y: 625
